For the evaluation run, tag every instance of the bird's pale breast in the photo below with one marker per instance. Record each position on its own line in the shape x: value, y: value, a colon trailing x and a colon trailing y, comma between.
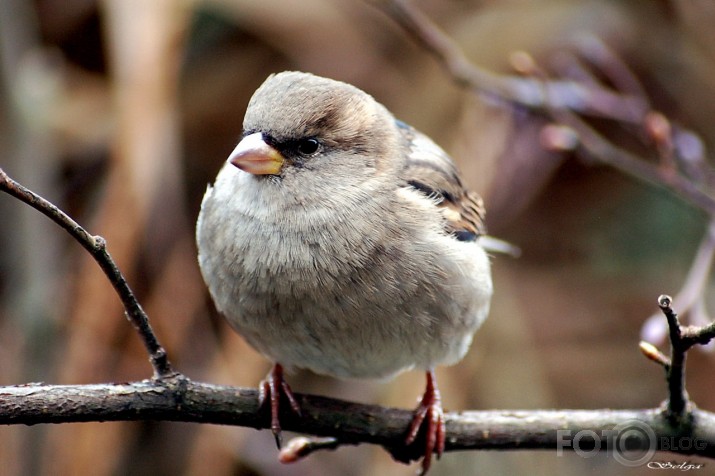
x: 329, y: 294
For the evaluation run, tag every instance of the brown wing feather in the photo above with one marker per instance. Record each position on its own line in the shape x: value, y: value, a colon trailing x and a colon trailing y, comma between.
x: 431, y: 171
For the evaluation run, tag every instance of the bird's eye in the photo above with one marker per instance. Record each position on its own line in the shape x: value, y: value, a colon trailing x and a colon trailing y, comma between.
x: 308, y: 146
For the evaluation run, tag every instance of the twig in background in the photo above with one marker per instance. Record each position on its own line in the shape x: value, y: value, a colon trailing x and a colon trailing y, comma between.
x: 598, y: 148
x: 589, y: 100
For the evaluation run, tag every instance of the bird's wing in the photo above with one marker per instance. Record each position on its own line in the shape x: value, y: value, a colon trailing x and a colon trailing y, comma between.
x: 430, y: 170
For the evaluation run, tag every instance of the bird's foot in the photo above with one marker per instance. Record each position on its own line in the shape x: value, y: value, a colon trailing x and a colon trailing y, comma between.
x: 429, y: 414
x: 270, y: 391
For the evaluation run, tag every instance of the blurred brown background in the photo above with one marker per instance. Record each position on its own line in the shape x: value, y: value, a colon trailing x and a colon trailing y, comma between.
x: 121, y: 111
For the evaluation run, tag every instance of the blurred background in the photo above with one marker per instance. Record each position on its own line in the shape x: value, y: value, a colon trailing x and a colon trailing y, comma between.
x: 122, y: 111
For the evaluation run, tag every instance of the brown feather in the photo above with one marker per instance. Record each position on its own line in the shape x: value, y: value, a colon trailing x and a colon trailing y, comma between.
x: 431, y: 171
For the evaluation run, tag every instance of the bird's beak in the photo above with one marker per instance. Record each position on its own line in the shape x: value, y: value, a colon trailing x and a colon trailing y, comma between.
x: 255, y: 156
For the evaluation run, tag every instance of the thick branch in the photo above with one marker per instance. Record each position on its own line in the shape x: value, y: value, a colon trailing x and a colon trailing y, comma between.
x: 179, y: 399
x: 97, y: 247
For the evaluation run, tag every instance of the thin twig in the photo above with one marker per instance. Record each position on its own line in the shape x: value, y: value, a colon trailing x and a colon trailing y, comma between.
x: 698, y: 335
x: 675, y: 372
x: 681, y: 340
x: 97, y: 247
x: 609, y: 63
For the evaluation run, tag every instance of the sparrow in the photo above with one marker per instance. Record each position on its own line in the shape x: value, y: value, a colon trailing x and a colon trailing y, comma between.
x: 339, y: 239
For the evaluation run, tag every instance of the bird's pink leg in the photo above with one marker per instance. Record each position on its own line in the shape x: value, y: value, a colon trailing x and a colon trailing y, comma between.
x: 270, y: 391
x: 429, y: 414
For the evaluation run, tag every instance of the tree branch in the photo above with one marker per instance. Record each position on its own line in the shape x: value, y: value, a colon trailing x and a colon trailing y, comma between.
x: 180, y: 399
x: 97, y: 247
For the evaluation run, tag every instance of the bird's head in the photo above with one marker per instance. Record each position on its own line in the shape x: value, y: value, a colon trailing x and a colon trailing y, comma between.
x: 297, y: 122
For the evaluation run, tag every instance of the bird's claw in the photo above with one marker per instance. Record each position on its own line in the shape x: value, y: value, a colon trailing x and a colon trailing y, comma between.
x: 430, y: 415
x: 270, y: 391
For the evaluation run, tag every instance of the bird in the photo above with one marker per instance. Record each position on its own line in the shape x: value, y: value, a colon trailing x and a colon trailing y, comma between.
x: 339, y: 239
